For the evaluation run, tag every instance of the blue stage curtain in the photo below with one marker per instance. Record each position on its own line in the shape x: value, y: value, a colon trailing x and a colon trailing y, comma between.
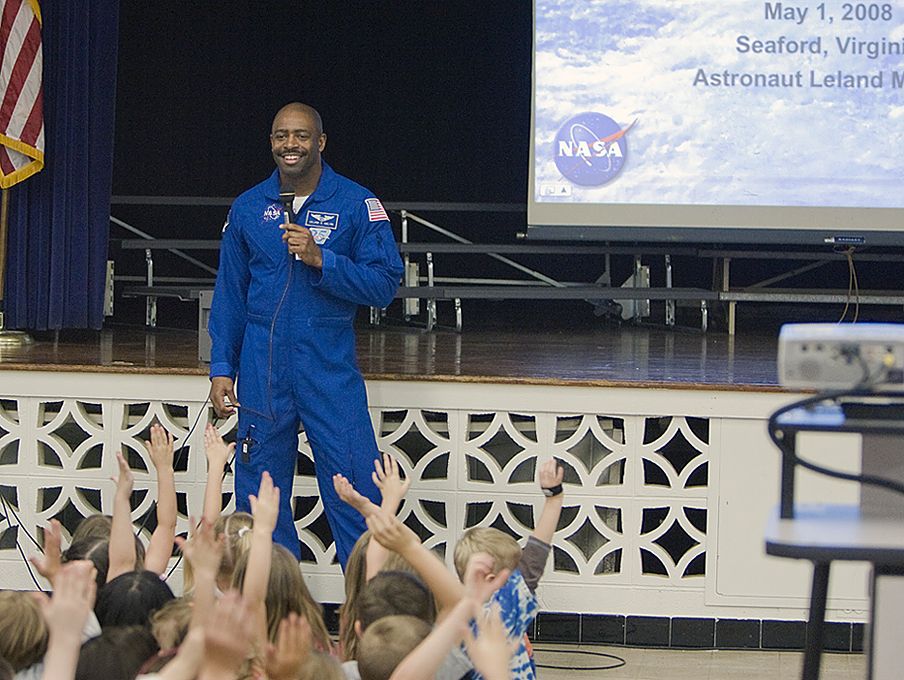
x: 60, y: 218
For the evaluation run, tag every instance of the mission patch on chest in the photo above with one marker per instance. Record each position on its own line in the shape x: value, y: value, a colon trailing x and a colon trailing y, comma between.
x: 321, y: 224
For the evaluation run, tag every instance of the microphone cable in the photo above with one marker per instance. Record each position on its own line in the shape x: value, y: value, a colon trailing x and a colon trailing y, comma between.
x: 286, y: 197
x: 177, y: 458
x: 178, y: 561
x: 10, y: 511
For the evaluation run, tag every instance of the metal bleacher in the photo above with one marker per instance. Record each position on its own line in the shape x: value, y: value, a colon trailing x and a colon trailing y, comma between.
x: 423, y: 287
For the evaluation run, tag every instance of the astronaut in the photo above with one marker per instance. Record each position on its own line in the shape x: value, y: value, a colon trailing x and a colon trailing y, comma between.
x: 281, y: 324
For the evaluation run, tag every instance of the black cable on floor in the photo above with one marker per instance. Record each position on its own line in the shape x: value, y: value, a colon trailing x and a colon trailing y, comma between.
x: 619, y: 662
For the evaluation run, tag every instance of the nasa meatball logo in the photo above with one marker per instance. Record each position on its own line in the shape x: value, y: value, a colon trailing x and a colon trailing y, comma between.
x: 591, y: 148
x: 273, y: 212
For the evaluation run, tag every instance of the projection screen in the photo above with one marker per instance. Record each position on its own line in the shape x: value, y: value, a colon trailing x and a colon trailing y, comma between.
x: 718, y: 121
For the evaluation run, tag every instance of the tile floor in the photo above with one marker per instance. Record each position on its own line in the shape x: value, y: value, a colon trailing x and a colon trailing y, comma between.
x: 662, y: 664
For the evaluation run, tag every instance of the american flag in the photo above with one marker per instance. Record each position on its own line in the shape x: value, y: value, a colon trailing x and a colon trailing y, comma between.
x: 375, y: 210
x: 21, y: 110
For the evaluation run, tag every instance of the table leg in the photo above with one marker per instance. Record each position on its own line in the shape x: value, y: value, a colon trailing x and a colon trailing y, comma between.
x: 789, y: 468
x: 816, y: 624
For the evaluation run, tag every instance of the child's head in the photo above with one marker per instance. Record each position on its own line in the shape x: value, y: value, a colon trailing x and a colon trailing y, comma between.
x: 321, y: 666
x: 504, y: 549
x: 93, y: 549
x: 395, y: 562
x: 93, y: 526
x: 386, y: 642
x: 131, y: 598
x: 118, y: 652
x: 169, y: 624
x: 97, y: 528
x: 6, y: 671
x: 287, y: 592
x: 394, y: 592
x: 236, y: 532
x: 23, y: 632
x: 355, y: 580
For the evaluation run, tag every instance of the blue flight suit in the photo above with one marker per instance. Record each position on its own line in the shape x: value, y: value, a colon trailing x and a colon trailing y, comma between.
x: 285, y: 331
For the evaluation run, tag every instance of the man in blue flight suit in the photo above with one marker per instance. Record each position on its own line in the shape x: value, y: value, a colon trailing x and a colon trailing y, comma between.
x: 281, y: 322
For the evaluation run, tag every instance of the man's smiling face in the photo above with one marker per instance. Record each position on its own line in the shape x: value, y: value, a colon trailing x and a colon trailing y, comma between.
x: 296, y: 141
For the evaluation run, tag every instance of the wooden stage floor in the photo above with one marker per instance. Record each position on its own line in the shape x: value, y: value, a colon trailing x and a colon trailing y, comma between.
x: 607, y: 355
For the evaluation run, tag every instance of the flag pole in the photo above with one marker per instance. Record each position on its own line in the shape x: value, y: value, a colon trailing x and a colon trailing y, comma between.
x: 4, y: 225
x: 8, y: 339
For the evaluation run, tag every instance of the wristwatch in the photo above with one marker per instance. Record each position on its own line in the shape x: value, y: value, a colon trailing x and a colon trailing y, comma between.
x: 552, y: 490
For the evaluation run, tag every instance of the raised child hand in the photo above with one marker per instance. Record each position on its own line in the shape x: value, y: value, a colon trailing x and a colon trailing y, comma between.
x: 389, y: 532
x: 126, y: 480
x: 550, y: 474
x: 227, y: 637
x: 160, y: 448
x: 48, y: 564
x: 490, y: 651
x: 217, y: 451
x: 265, y: 506
x: 390, y: 483
x: 481, y: 580
x: 204, y: 550
x: 350, y: 495
x: 286, y: 658
x: 73, y: 599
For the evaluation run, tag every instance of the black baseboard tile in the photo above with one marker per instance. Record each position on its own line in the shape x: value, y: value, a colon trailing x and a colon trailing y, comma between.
x: 647, y: 631
x: 837, y: 637
x: 688, y: 632
x: 602, y: 629
x: 557, y: 627
x: 784, y: 634
x: 738, y: 633
x: 693, y: 633
x: 857, y: 632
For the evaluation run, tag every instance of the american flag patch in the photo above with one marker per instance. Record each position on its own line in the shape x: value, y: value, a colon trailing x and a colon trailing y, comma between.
x: 375, y: 210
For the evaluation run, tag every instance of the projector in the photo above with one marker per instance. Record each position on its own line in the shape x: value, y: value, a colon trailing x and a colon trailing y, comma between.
x: 838, y: 356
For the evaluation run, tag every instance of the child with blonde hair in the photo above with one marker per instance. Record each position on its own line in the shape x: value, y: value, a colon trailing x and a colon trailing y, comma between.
x: 23, y: 632
x: 39, y: 635
x: 516, y: 598
x: 498, y: 565
x: 236, y: 531
x: 355, y: 580
x: 270, y: 578
x: 386, y: 642
x: 235, y: 528
x: 170, y: 623
x: 367, y: 557
x: 287, y: 593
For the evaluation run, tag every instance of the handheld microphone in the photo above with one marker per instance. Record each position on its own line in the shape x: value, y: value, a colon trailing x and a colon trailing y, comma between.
x: 287, y: 198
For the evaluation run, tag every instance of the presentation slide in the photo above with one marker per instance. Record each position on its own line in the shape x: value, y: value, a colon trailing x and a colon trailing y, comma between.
x: 718, y: 120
